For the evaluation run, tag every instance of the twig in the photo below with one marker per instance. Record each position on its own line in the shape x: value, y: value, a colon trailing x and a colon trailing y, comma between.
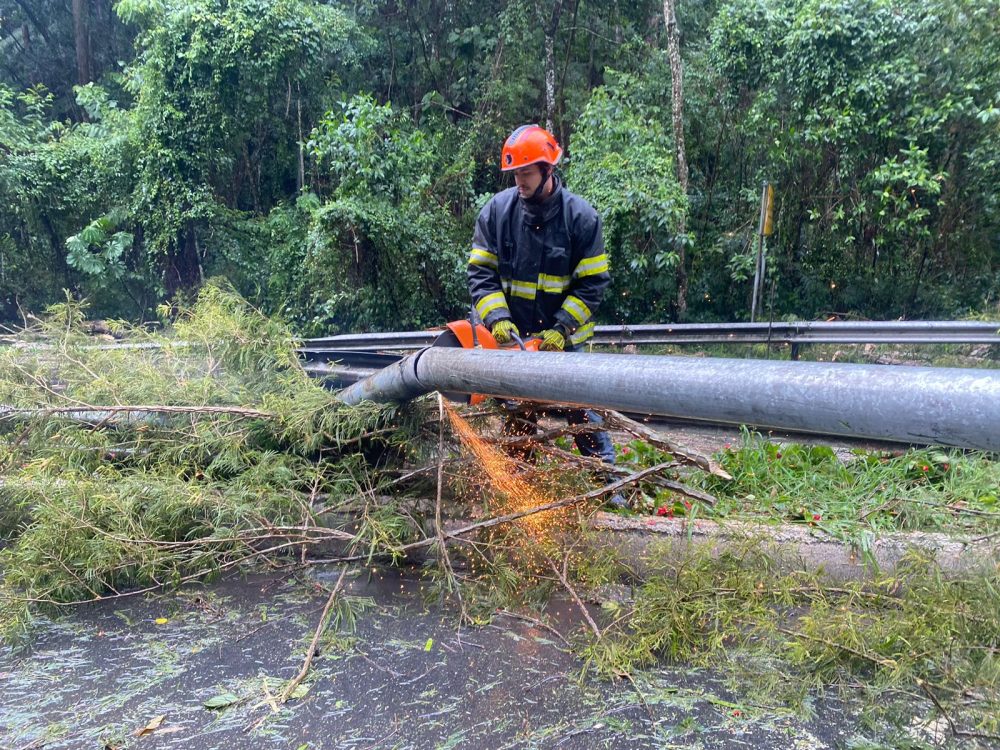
x: 438, y: 526
x: 269, y: 699
x: 381, y: 742
x: 617, y: 419
x: 252, y: 632
x: 245, y: 536
x: 956, y: 508
x: 579, y: 602
x: 510, y: 517
x: 599, y: 465
x: 542, y: 437
x: 42, y: 384
x: 956, y: 732
x: 595, y: 464
x: 536, y: 622
x: 74, y: 575
x: 985, y: 537
x: 573, y: 500
x: 92, y: 411
x: 136, y: 592
x: 364, y: 436
x: 877, y: 508
x: 417, y: 472
x: 375, y: 664
x: 419, y: 677
x: 691, y: 492
x: 296, y: 681
x: 642, y: 698
x: 873, y: 658
x: 307, y: 511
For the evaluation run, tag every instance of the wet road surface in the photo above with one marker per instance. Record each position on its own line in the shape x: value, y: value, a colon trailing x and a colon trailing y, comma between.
x: 405, y: 678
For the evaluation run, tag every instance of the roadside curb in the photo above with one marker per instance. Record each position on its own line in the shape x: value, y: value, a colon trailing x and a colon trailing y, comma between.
x: 643, y: 543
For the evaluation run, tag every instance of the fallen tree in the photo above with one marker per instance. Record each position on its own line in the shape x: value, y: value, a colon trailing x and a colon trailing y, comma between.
x: 208, y: 449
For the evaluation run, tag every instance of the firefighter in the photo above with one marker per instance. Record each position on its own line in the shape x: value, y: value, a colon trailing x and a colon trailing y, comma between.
x: 538, y: 266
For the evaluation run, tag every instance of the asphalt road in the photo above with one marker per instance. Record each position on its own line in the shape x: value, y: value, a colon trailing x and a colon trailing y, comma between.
x: 406, y: 677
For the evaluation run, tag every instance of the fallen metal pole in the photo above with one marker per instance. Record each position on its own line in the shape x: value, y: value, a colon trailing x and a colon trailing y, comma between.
x: 924, y: 405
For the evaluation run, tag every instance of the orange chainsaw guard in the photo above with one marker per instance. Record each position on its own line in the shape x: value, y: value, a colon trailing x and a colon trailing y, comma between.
x: 463, y: 332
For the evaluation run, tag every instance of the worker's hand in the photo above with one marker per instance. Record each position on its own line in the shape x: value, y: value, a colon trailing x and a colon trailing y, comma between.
x: 552, y: 340
x: 503, y: 329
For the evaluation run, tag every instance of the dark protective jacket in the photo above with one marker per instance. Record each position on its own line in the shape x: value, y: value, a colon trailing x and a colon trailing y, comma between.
x: 539, y: 264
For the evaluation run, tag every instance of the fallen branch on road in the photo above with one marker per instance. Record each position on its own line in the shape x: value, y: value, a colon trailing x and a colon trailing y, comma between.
x: 597, y: 465
x: 320, y: 627
x: 509, y: 517
x: 654, y: 438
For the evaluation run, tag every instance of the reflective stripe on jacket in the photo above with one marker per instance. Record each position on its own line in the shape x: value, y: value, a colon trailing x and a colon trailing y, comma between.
x: 553, y: 271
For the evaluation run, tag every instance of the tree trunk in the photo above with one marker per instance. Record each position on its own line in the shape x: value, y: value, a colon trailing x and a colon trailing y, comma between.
x: 26, y: 9
x: 550, y: 82
x: 677, y: 105
x: 301, y: 178
x: 567, y: 56
x: 81, y: 34
x: 184, y: 270
x: 793, y: 547
x: 550, y: 65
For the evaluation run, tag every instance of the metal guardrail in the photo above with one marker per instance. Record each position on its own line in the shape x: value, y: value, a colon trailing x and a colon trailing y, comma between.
x: 372, y: 341
x: 791, y: 334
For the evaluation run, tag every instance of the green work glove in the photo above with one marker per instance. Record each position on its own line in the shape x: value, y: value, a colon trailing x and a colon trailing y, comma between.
x: 552, y: 340
x: 503, y: 329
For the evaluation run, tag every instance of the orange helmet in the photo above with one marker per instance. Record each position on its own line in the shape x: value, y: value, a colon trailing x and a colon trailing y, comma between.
x: 529, y: 144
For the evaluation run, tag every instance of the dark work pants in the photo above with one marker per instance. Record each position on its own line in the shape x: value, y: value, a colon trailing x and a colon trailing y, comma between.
x: 594, y: 444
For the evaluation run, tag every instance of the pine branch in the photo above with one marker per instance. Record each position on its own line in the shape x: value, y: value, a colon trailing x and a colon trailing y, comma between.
x: 95, y: 413
x: 542, y: 437
x: 320, y: 627
x: 510, y: 517
x: 438, y: 525
x: 564, y: 579
x: 651, y: 436
x: 598, y: 465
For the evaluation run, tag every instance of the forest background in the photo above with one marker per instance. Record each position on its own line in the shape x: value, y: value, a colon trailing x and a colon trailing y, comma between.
x: 329, y: 159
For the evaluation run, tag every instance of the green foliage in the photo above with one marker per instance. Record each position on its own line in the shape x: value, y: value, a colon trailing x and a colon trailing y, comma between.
x: 622, y: 163
x: 914, y: 630
x: 276, y: 143
x: 175, y: 457
x: 387, y: 233
x: 859, y: 496
x: 107, y: 259
x: 53, y: 174
x: 745, y: 39
x: 372, y: 151
x: 858, y: 113
x: 39, y: 48
x: 212, y: 95
x: 213, y: 88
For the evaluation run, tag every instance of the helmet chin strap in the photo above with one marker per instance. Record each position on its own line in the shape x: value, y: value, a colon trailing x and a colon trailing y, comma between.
x: 536, y: 197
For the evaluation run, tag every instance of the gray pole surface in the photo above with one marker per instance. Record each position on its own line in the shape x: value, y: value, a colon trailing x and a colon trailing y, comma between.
x: 926, y: 405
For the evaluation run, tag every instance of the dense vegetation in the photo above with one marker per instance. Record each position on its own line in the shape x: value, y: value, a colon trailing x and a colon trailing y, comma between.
x: 329, y: 158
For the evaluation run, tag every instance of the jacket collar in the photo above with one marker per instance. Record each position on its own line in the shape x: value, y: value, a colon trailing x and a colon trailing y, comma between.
x: 542, y: 212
